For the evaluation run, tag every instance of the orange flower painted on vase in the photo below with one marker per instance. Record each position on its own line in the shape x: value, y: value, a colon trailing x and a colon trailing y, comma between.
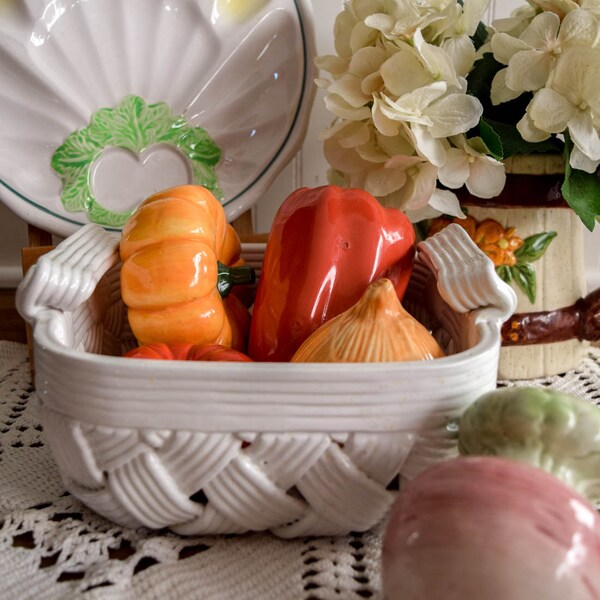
x: 512, y: 256
x: 498, y: 243
x: 494, y: 240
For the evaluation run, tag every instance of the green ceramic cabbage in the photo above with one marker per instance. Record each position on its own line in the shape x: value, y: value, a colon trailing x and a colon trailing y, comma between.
x: 552, y: 430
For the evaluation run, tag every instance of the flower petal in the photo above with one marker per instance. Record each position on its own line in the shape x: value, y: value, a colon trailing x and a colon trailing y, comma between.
x: 550, y: 111
x: 446, y: 203
x: 431, y: 148
x: 381, y: 22
x: 455, y: 171
x: 402, y: 143
x: 578, y: 27
x: 541, y: 30
x: 529, y: 132
x: 472, y: 15
x: 332, y: 64
x: 441, y: 202
x: 505, y: 46
x: 340, y: 108
x: 453, y: 114
x: 576, y: 75
x: 578, y: 160
x: 381, y: 121
x: 346, y: 160
x: 348, y: 88
x: 584, y: 134
x: 354, y: 134
x: 500, y: 92
x: 366, y: 61
x: 403, y: 72
x: 384, y: 181
x: 420, y: 187
x: 528, y: 70
x: 362, y: 36
x: 560, y: 7
x: 342, y: 30
x: 436, y: 59
x: 461, y: 52
x: 487, y: 178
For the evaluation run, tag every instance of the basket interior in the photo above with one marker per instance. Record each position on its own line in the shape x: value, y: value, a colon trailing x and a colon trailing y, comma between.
x: 100, y: 325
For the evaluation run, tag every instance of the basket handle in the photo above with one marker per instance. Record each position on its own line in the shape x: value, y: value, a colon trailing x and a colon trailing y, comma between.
x: 466, y: 277
x: 67, y: 276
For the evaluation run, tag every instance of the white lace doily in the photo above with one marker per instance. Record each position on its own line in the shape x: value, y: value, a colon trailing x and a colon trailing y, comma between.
x: 53, y: 547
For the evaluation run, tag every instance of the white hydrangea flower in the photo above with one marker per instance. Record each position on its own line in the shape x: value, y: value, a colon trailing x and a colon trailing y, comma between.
x: 531, y: 56
x: 558, y: 7
x: 571, y: 102
x: 405, y: 182
x: 433, y: 114
x: 397, y: 87
x: 469, y: 164
x: 517, y: 22
x: 442, y: 202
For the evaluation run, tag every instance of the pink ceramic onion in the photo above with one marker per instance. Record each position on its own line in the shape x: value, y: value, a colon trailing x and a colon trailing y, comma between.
x: 487, y: 528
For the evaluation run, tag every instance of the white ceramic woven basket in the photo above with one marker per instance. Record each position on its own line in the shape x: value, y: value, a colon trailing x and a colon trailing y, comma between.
x: 203, y: 448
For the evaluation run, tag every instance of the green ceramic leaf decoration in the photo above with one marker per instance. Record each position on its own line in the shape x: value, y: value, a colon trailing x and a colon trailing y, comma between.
x: 534, y: 246
x: 524, y: 275
x: 135, y: 126
x: 522, y: 272
x: 109, y: 218
x: 76, y: 196
x: 504, y: 273
x: 78, y: 150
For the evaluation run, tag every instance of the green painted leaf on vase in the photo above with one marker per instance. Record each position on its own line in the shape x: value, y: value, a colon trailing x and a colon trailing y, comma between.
x: 534, y: 246
x: 504, y: 273
x: 524, y: 276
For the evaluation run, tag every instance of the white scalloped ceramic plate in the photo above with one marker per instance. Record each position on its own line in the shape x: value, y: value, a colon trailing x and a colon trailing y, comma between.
x: 106, y: 101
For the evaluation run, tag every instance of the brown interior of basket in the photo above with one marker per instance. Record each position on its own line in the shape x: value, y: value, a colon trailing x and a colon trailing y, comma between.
x: 100, y: 326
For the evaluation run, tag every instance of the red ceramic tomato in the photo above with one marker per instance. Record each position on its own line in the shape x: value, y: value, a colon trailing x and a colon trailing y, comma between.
x: 183, y: 351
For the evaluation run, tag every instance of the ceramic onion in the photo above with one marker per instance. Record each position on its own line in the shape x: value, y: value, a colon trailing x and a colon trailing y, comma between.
x: 376, y: 329
x: 488, y: 528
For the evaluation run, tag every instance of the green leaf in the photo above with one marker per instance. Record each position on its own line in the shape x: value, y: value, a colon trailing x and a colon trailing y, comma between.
x: 480, y: 36
x: 77, y: 195
x: 77, y: 150
x: 205, y: 176
x: 504, y: 273
x: 534, y: 246
x: 198, y: 146
x: 513, y: 143
x: 134, y: 126
x: 491, y: 139
x: 581, y: 190
x: 480, y: 77
x: 524, y: 275
x: 102, y: 216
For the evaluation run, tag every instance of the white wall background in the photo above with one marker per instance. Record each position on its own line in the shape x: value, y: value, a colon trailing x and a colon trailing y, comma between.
x: 307, y: 169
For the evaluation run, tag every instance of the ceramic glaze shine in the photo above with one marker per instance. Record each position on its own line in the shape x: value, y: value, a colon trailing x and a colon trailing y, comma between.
x: 239, y: 10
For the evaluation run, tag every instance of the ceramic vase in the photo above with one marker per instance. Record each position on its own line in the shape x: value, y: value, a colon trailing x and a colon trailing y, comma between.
x: 547, y: 272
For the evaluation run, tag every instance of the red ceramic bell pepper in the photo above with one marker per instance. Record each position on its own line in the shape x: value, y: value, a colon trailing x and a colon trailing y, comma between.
x: 326, y: 245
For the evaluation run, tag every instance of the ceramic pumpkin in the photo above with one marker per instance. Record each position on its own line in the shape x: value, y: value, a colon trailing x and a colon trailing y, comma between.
x: 180, y: 257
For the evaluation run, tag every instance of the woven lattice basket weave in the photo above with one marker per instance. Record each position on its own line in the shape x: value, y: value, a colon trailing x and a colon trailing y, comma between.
x: 299, y: 449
